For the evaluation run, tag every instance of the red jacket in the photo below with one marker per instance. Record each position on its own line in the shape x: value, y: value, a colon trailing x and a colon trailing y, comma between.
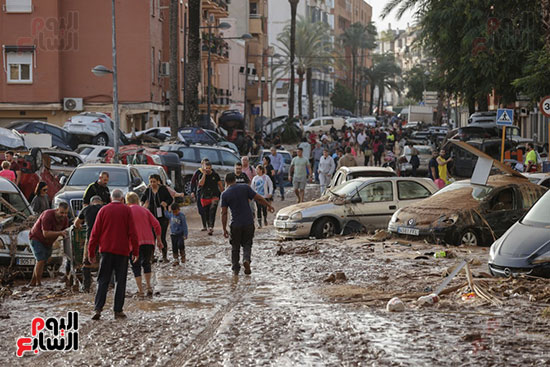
x: 114, y: 231
x: 144, y: 221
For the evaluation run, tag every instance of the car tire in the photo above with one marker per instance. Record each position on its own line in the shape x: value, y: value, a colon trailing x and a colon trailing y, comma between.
x: 101, y: 139
x: 469, y: 237
x: 324, y: 228
x: 36, y: 154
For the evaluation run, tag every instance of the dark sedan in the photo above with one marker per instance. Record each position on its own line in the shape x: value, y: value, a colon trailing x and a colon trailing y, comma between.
x: 525, y: 247
x: 60, y: 138
x: 468, y: 214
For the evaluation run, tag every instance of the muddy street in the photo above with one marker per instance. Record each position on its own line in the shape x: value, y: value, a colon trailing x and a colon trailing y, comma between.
x: 296, y: 309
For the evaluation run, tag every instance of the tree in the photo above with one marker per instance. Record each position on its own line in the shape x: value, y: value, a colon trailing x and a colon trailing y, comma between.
x: 193, y: 64
x: 382, y: 74
x: 291, y: 96
x: 174, y: 93
x: 417, y: 81
x: 313, y: 51
x: 343, y: 97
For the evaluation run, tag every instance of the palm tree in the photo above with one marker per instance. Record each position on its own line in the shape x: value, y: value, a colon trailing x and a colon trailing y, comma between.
x: 293, y: 11
x: 312, y: 51
x: 383, y: 75
x: 193, y: 64
x: 174, y: 94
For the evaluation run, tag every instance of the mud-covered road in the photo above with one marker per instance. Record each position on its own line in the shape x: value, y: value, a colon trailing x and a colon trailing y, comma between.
x: 290, y: 313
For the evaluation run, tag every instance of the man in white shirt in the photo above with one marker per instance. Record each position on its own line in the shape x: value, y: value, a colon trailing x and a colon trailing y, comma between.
x: 306, y: 148
x: 326, y: 169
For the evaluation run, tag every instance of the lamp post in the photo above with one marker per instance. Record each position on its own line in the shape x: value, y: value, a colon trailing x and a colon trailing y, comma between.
x: 101, y: 70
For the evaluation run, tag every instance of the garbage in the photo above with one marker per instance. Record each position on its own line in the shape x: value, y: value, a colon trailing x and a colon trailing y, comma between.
x: 427, y: 300
x: 336, y: 277
x: 440, y: 254
x: 468, y: 296
x: 395, y: 305
x: 380, y: 235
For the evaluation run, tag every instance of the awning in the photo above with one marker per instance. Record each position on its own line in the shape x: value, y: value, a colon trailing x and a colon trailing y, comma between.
x: 19, y: 48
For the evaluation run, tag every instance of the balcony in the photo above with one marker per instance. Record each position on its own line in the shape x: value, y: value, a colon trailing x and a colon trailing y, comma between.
x: 255, y: 24
x: 218, y: 8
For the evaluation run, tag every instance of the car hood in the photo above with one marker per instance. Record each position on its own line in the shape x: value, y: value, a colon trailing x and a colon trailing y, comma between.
x: 522, y: 241
x: 309, y: 208
x: 74, y: 191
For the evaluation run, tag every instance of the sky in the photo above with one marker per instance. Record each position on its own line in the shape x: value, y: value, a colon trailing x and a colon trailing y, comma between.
x: 382, y: 24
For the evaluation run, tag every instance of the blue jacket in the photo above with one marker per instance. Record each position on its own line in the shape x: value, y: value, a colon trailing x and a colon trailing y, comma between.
x: 178, y: 223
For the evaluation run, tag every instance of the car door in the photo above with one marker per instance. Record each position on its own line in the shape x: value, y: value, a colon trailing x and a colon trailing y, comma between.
x: 190, y: 161
x: 409, y: 192
x: 504, y: 209
x: 377, y: 205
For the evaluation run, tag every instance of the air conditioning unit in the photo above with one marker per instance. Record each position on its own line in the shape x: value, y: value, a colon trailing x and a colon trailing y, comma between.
x: 165, y: 69
x: 73, y: 104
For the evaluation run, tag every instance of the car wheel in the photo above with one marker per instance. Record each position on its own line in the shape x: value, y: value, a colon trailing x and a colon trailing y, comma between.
x: 469, y: 238
x: 36, y: 154
x: 187, y: 186
x: 101, y: 139
x: 324, y: 228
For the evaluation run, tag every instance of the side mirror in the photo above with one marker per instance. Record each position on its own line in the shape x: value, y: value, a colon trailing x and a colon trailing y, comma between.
x: 356, y: 199
x: 63, y: 180
x: 136, y: 181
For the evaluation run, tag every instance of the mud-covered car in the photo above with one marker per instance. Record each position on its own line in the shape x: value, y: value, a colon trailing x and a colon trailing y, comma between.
x: 468, y: 214
x: 354, y: 206
x: 525, y: 247
x: 16, y: 220
x: 344, y: 174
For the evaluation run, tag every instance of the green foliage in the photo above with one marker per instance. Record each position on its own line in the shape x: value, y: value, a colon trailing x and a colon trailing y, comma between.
x: 536, y: 82
x: 417, y: 81
x: 290, y: 133
x: 343, y: 97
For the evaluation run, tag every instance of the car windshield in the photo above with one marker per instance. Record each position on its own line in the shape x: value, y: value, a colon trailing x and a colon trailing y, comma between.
x: 145, y: 172
x: 539, y: 215
x: 346, y: 189
x: 87, y: 175
x: 16, y: 202
x: 478, y: 192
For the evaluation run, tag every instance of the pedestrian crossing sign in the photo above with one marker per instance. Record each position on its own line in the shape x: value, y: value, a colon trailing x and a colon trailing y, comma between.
x: 505, y: 117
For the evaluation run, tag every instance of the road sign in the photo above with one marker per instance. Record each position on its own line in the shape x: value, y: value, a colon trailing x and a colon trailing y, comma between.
x: 505, y: 117
x: 545, y: 106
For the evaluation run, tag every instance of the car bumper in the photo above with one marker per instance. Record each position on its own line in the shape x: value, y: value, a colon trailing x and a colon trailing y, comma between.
x: 290, y: 229
x: 25, y: 263
x: 445, y: 233
x: 507, y: 271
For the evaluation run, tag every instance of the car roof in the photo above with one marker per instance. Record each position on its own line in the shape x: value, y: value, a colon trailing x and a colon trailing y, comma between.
x: 147, y: 166
x: 104, y: 165
x: 7, y: 186
x: 366, y: 169
x: 21, y: 122
x: 391, y: 178
x: 199, y: 146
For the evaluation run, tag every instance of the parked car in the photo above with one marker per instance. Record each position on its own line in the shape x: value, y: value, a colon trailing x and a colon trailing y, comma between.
x: 161, y: 133
x: 121, y: 176
x: 287, y: 157
x: 324, y: 124
x: 273, y: 124
x: 15, y: 247
x: 483, y: 117
x: 525, y: 247
x: 355, y: 122
x: 542, y: 179
x: 223, y: 160
x: 10, y: 139
x: 468, y: 214
x: 356, y: 205
x: 196, y: 135
x: 62, y: 163
x: 94, y: 128
x: 92, y: 153
x: 424, y: 156
x: 146, y: 170
x: 464, y: 162
x: 60, y: 138
x: 370, y: 121
x: 344, y: 174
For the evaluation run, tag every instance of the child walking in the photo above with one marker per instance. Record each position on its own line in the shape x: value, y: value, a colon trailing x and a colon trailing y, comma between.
x: 262, y: 184
x: 178, y: 229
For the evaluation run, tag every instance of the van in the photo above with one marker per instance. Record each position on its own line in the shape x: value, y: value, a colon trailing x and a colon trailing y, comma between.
x: 324, y: 124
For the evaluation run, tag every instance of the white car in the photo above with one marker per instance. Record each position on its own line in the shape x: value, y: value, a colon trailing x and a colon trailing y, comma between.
x: 542, y: 179
x: 161, y: 133
x: 95, y: 128
x: 324, y: 124
x: 92, y: 153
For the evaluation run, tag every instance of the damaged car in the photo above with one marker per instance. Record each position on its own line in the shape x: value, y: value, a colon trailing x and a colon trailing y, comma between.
x: 465, y: 213
x: 525, y: 247
x: 361, y: 204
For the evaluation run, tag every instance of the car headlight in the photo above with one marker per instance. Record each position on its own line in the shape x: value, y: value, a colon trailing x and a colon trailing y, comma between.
x: 449, y: 219
x: 494, y: 247
x: 156, y: 159
x: 296, y: 216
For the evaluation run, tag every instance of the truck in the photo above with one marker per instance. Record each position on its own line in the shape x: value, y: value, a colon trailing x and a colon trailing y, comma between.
x: 424, y: 114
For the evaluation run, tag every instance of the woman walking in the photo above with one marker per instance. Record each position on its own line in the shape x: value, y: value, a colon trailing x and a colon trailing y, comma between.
x: 211, y: 188
x: 196, y: 193
x: 40, y: 201
x: 157, y: 198
x: 262, y: 184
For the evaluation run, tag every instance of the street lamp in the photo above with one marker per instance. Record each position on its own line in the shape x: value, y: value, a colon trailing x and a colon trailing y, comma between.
x: 101, y: 70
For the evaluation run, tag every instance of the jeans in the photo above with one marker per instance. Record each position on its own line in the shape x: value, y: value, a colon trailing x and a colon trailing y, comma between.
x: 316, y: 169
x: 279, y: 182
x: 110, y: 262
x: 164, y: 222
x: 324, y: 180
x: 201, y: 211
x: 143, y: 261
x: 261, y: 209
x: 178, y: 245
x: 210, y: 213
x: 241, y: 236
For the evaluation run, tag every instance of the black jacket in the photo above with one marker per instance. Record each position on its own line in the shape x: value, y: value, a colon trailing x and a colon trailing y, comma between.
x: 97, y: 189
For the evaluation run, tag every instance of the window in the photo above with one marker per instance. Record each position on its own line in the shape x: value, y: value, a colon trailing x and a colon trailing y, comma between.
x: 19, y: 67
x: 315, y: 123
x: 229, y: 159
x: 329, y: 122
x: 211, y: 154
x: 253, y: 8
x: 377, y: 192
x: 188, y: 154
x: 409, y: 190
x: 18, y: 6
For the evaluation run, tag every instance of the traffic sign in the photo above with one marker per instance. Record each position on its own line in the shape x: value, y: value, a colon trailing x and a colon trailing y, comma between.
x: 545, y: 106
x: 505, y: 117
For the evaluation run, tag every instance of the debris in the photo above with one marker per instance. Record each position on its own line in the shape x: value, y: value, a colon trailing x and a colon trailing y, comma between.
x: 468, y: 338
x: 298, y: 250
x: 400, y: 243
x: 450, y: 277
x: 421, y: 257
x: 338, y: 276
x: 4, y: 316
x: 380, y: 235
x: 468, y: 296
x: 427, y: 300
x: 395, y: 305
x: 440, y: 254
x: 545, y: 313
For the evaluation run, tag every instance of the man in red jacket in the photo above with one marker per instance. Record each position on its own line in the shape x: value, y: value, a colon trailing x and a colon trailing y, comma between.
x: 116, y: 235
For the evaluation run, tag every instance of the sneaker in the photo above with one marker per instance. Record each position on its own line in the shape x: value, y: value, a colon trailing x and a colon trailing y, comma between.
x: 97, y: 315
x: 182, y: 258
x: 265, y: 222
x: 259, y: 224
x: 246, y: 265
x: 175, y: 263
x: 120, y: 315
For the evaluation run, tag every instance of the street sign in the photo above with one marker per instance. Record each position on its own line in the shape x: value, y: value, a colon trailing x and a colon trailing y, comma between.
x: 505, y: 117
x: 545, y: 106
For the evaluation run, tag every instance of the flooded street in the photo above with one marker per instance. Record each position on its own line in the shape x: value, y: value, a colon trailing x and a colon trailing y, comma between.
x: 292, y: 312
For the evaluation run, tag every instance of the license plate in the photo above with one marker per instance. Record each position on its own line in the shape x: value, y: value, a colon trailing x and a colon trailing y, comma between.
x: 279, y: 224
x: 409, y: 231
x: 25, y: 261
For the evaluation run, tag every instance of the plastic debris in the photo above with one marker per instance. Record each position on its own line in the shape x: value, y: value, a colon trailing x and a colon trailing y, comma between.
x: 395, y: 305
x: 428, y: 300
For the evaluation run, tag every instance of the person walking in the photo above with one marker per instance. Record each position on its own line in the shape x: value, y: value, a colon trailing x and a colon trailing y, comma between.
x: 316, y: 155
x: 178, y: 232
x: 147, y: 229
x: 278, y: 163
x: 88, y: 215
x: 98, y: 188
x: 261, y: 183
x: 51, y: 225
x: 6, y: 172
x: 211, y: 188
x: 247, y: 169
x: 40, y: 202
x: 196, y: 192
x: 115, y: 234
x: 241, y: 176
x: 157, y: 198
x: 300, y: 171
x: 241, y: 232
x: 348, y: 160
x: 442, y: 166
x: 269, y: 171
x: 531, y: 160
x: 326, y: 169
x: 14, y: 166
x: 414, y: 161
x: 377, y: 149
